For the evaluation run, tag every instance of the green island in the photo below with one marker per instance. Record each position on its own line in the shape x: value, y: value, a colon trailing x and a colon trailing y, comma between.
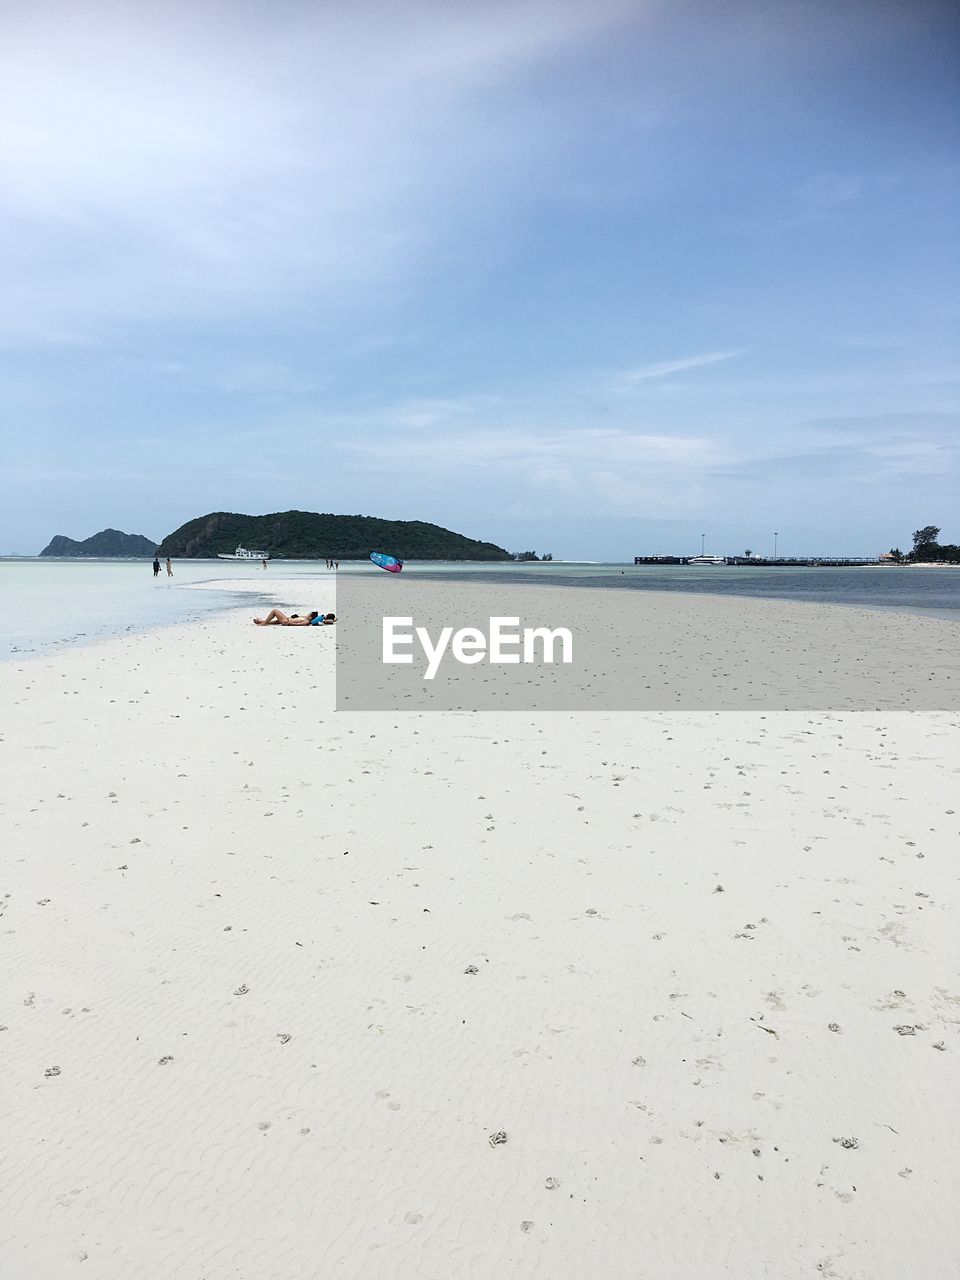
x: 309, y: 535
x: 108, y: 543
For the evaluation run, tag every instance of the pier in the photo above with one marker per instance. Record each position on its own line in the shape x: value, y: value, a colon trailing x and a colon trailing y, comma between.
x: 768, y: 562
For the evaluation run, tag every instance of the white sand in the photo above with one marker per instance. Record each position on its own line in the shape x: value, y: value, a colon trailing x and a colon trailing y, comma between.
x: 202, y: 859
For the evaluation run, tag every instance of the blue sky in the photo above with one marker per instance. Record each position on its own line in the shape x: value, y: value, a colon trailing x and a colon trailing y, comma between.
x: 589, y: 279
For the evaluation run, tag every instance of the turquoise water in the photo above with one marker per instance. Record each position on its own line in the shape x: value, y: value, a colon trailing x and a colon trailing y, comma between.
x: 48, y: 603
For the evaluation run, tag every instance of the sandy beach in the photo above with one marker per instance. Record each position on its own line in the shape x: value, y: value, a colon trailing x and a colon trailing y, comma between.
x: 290, y: 994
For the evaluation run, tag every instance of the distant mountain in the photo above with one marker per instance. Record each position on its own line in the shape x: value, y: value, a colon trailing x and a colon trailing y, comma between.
x: 110, y: 542
x: 307, y: 535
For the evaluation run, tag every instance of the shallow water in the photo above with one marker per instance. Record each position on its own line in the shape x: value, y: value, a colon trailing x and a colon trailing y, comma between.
x: 918, y: 590
x: 48, y: 603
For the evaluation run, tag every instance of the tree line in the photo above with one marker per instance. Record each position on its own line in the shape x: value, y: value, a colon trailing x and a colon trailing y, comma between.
x: 928, y: 549
x: 312, y: 535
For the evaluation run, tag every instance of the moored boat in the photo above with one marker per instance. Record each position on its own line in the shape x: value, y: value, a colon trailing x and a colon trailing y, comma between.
x: 242, y: 553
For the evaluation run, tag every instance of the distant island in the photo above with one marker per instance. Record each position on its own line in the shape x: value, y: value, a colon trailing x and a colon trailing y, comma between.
x: 308, y: 535
x: 109, y: 542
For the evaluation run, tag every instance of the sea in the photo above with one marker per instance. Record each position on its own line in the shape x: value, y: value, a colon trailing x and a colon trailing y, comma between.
x: 49, y: 603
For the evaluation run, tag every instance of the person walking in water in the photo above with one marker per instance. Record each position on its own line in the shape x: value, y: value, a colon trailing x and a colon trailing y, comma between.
x: 156, y: 567
x: 169, y: 568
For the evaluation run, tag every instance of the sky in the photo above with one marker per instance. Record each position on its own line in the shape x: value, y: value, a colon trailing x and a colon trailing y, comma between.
x: 588, y: 279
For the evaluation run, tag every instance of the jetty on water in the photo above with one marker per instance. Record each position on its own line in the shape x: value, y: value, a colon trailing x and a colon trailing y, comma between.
x: 768, y: 562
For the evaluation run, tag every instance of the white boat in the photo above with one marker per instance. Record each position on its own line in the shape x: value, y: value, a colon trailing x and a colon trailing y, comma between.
x: 706, y: 560
x: 242, y: 553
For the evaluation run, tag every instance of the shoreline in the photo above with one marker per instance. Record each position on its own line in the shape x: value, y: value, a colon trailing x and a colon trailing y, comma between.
x: 282, y: 591
x: 63, y: 605
x: 100, y: 633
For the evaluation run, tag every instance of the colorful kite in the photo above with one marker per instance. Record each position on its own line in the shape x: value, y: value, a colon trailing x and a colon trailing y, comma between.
x: 390, y: 563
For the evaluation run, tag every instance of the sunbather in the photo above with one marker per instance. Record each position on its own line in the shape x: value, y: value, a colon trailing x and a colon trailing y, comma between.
x: 277, y: 618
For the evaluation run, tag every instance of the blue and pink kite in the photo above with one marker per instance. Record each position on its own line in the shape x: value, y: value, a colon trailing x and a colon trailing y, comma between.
x: 390, y: 563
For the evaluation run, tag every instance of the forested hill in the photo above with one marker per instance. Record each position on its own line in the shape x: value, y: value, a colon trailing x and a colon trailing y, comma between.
x: 109, y: 542
x: 307, y: 535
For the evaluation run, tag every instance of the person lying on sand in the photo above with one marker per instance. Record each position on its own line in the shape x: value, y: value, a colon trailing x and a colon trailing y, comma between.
x: 278, y: 618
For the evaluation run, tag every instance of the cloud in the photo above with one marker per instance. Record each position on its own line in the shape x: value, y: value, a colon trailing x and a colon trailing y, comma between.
x: 172, y: 161
x: 584, y: 471
x: 417, y: 415
x: 260, y: 377
x: 890, y: 461
x: 884, y: 426
x: 629, y: 377
x: 525, y: 446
